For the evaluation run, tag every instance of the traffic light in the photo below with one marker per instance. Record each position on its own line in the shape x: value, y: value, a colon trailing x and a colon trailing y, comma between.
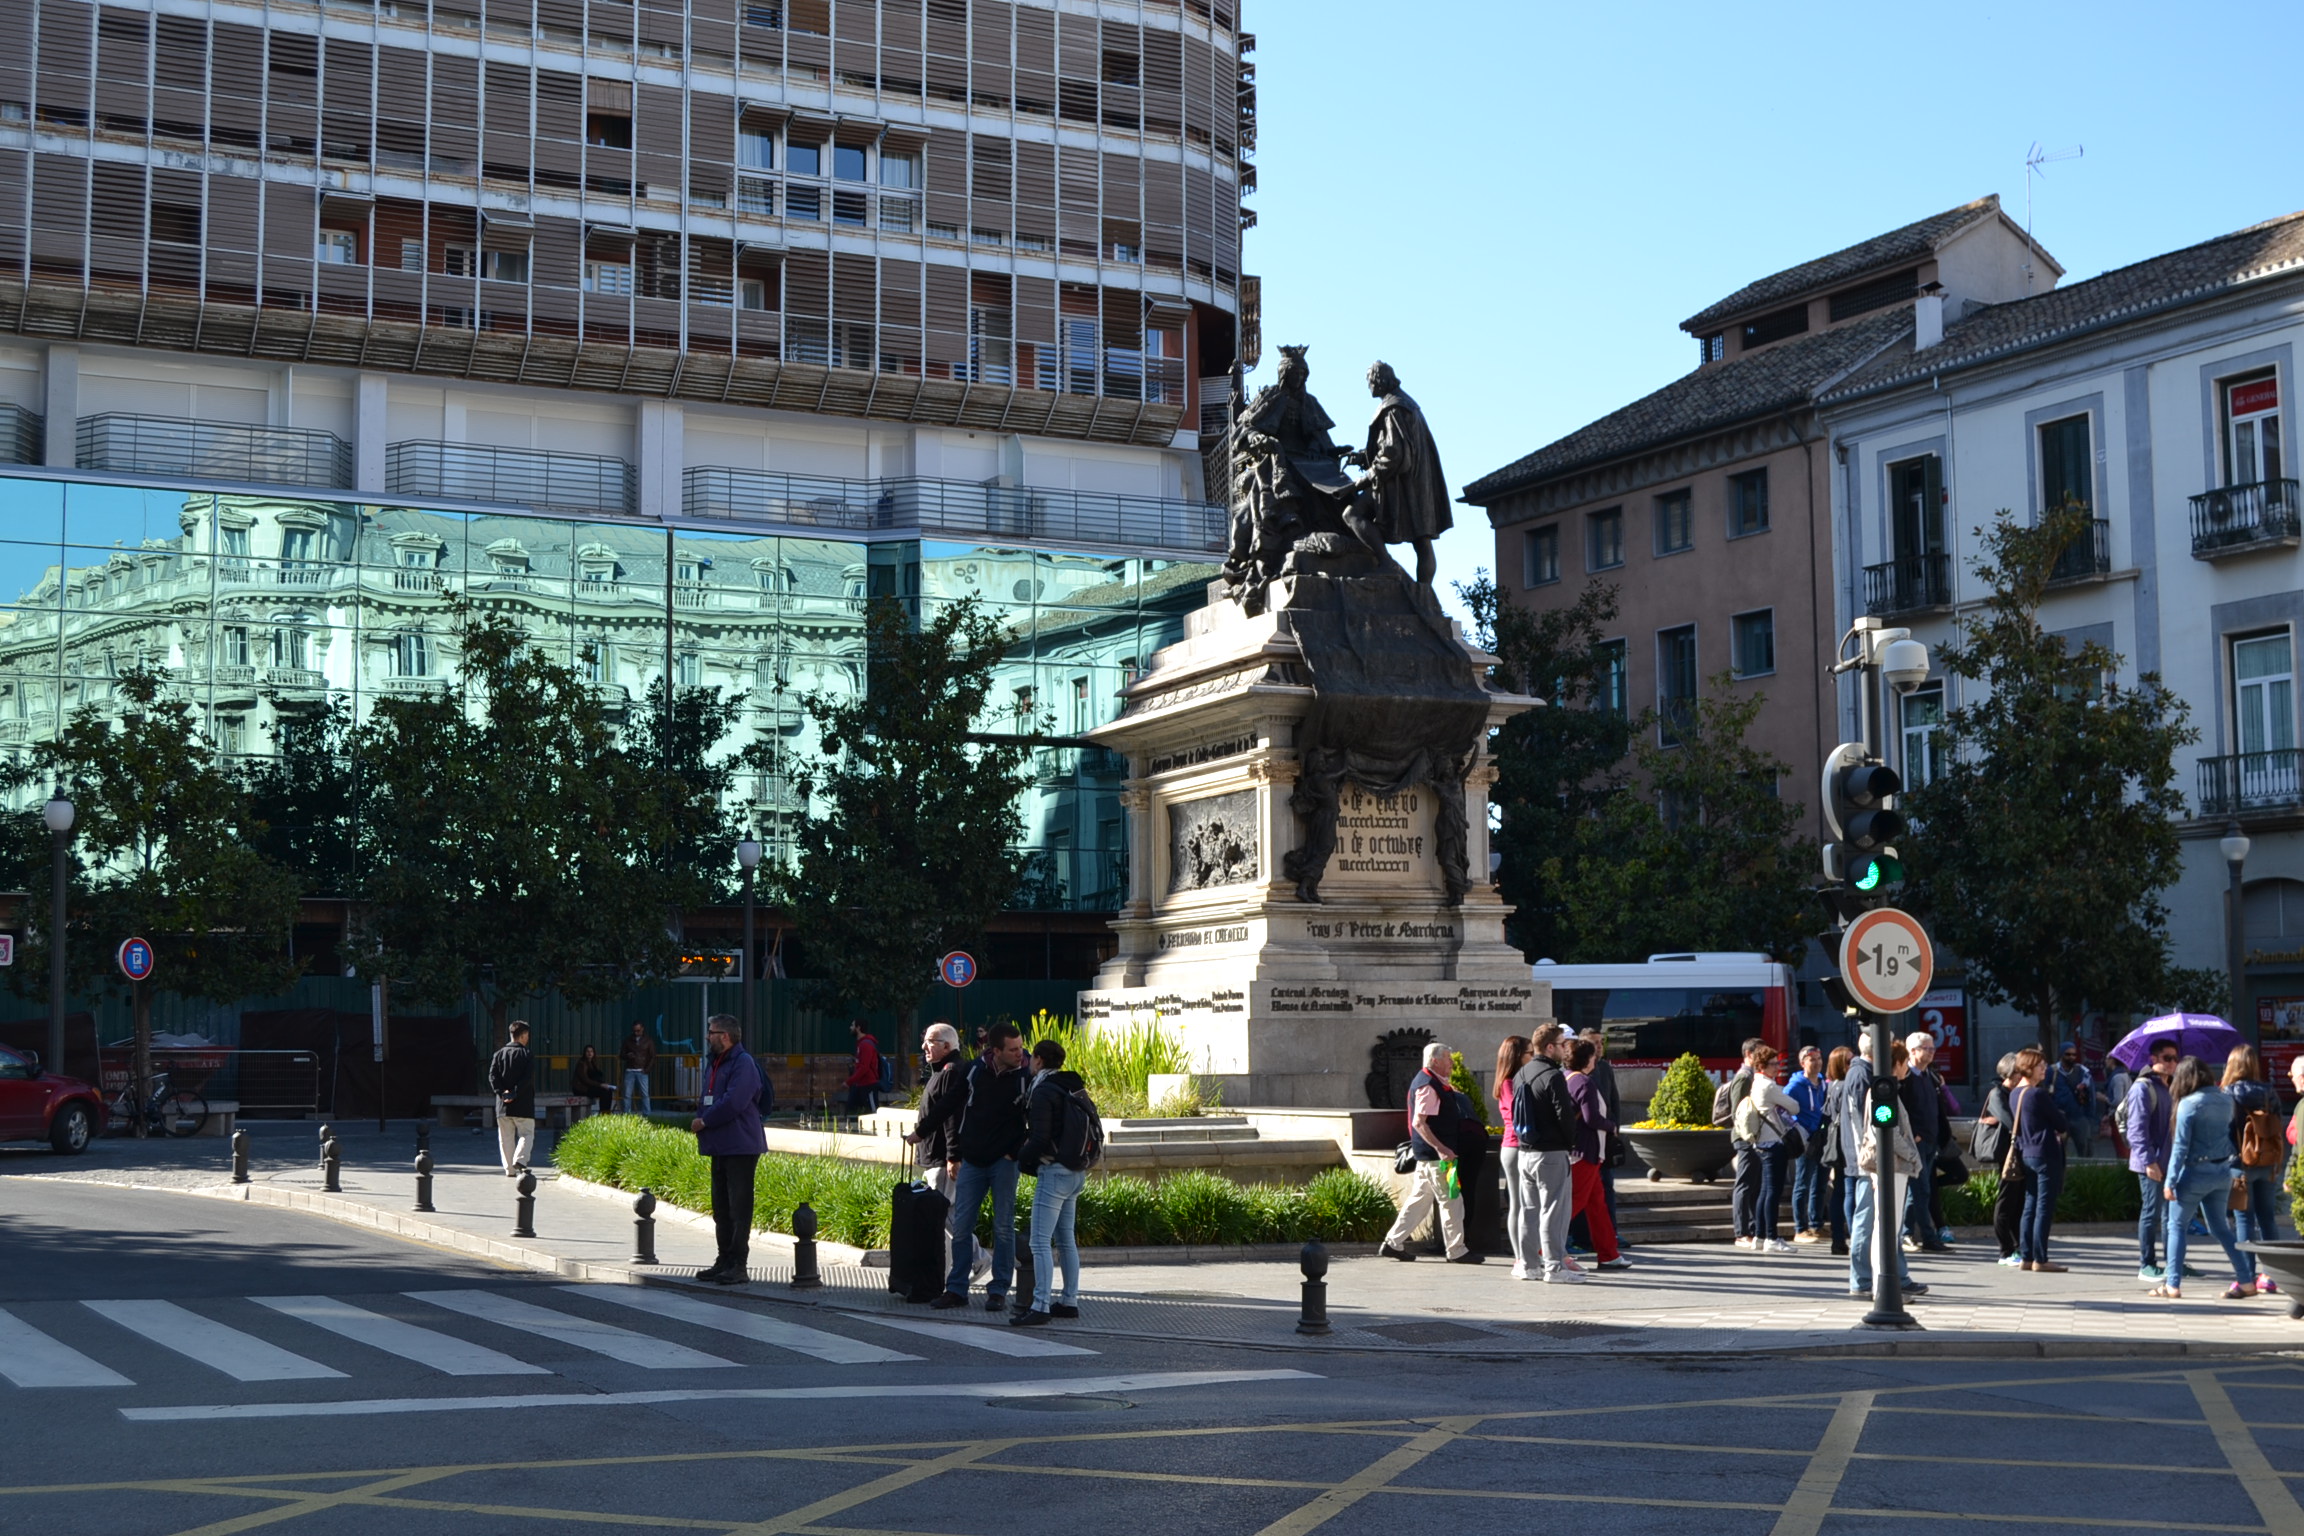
x: 1861, y: 866
x: 1886, y: 1108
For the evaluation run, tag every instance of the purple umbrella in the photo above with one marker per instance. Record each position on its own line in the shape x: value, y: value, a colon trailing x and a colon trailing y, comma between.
x: 2195, y: 1034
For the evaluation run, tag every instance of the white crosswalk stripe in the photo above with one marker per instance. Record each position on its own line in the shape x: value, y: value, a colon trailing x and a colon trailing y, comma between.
x: 1001, y: 1340
x: 749, y: 1325
x: 241, y: 1356
x: 443, y: 1352
x: 601, y: 1338
x: 30, y: 1358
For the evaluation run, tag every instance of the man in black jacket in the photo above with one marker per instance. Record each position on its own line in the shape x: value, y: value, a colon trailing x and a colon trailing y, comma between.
x: 512, y: 1078
x: 1056, y: 1156
x: 936, y: 1123
x: 1922, y: 1091
x: 991, y: 1132
x: 1544, y: 1119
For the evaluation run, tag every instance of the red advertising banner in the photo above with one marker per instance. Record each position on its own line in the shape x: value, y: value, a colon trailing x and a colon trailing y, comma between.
x: 2255, y: 395
x: 1944, y: 1014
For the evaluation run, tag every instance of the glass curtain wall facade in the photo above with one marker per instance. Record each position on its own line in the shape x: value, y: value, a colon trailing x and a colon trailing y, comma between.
x: 257, y: 607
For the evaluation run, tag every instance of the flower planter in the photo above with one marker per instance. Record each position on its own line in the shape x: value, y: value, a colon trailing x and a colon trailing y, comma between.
x: 1696, y: 1156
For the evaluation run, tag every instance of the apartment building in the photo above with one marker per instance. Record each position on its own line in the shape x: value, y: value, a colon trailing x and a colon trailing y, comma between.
x: 675, y: 329
x: 2162, y: 397
x: 1707, y: 504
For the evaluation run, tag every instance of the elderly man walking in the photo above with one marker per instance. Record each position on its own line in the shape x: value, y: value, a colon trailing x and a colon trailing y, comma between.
x: 1435, y: 1123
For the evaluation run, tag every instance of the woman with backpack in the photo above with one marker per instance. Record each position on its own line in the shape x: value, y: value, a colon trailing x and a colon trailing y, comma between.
x: 1511, y: 1056
x: 2200, y: 1178
x: 2257, y: 1148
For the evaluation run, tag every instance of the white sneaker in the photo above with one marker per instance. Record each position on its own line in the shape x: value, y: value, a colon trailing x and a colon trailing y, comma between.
x: 1566, y: 1276
x: 1775, y: 1246
x: 1744, y: 1242
x: 1519, y: 1271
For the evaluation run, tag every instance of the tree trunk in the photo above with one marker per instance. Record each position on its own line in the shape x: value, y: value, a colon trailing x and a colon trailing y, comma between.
x: 140, y: 1068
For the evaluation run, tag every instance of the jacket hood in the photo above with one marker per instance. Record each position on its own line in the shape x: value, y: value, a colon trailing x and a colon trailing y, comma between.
x: 1065, y: 1079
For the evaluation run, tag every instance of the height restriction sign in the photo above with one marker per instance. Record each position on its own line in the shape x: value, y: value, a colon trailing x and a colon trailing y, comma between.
x: 1886, y: 961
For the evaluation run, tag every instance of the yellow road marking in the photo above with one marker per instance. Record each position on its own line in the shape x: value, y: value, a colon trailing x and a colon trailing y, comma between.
x: 1367, y: 1480
x: 880, y: 1487
x: 1811, y: 1500
x: 2275, y: 1503
x: 309, y: 1505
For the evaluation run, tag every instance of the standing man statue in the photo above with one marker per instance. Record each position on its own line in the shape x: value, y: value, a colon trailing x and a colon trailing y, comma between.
x: 1403, y: 499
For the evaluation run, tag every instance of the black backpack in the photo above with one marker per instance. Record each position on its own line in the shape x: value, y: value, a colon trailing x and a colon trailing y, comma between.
x: 1080, y: 1144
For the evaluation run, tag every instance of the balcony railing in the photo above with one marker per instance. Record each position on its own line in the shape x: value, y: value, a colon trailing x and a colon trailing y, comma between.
x: 961, y: 507
x: 2250, y: 781
x: 568, y: 482
x: 2088, y: 556
x: 2242, y: 517
x: 213, y: 450
x: 1914, y: 582
x: 23, y: 435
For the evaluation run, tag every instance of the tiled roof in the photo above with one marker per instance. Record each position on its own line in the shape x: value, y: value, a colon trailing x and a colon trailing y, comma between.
x: 1758, y: 384
x: 1911, y: 244
x: 2126, y: 293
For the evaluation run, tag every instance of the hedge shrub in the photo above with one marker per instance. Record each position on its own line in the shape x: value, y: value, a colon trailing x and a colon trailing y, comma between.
x: 851, y: 1199
x: 2092, y: 1192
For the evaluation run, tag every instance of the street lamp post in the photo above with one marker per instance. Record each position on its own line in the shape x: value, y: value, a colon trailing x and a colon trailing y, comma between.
x: 748, y: 855
x: 2234, y: 846
x: 57, y: 813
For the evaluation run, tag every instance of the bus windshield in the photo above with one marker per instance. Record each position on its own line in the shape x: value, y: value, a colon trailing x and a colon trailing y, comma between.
x: 1662, y: 1023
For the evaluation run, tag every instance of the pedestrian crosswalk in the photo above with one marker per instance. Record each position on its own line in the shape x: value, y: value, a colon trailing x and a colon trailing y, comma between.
x: 471, y: 1332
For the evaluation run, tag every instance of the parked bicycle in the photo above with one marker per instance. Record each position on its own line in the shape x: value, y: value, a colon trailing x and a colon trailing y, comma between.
x: 166, y: 1112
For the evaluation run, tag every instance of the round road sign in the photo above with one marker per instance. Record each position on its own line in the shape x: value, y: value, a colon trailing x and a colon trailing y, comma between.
x: 1886, y: 960
x: 957, y: 968
x: 135, y: 959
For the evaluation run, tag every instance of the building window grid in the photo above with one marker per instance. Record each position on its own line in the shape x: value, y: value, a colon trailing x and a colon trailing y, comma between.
x: 1604, y: 539
x: 1540, y: 556
x: 1748, y: 503
x: 1754, y: 637
x: 1676, y: 682
x: 1675, y: 523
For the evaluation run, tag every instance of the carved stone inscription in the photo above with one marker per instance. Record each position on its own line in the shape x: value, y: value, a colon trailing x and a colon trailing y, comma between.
x: 1381, y: 838
x: 1212, y: 842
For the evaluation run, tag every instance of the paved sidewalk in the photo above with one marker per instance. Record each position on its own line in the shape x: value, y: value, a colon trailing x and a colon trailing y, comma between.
x: 1678, y: 1298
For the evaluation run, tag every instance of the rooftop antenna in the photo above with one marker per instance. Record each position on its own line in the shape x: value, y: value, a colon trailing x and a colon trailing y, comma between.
x: 2034, y: 159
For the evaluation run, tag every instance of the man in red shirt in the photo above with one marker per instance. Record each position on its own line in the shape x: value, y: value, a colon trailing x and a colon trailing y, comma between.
x: 864, y: 1077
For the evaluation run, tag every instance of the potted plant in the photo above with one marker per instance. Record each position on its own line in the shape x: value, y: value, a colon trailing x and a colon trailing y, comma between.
x: 1678, y: 1139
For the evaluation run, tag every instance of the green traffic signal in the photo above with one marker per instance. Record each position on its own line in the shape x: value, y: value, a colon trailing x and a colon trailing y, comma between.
x: 1884, y: 1114
x: 1878, y: 870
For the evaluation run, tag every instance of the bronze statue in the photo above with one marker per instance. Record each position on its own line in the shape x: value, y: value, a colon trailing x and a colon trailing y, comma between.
x: 1403, y: 499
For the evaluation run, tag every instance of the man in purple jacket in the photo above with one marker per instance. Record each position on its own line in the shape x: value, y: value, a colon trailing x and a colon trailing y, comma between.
x: 727, y: 1127
x: 2147, y: 1118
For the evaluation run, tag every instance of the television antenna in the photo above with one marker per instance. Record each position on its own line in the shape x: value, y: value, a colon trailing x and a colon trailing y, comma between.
x: 2034, y: 159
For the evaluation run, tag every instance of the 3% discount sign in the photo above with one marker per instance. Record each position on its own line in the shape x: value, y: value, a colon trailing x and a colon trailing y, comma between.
x: 1886, y: 961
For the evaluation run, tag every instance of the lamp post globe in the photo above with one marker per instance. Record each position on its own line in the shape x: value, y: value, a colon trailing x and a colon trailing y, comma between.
x: 58, y: 814
x: 748, y: 854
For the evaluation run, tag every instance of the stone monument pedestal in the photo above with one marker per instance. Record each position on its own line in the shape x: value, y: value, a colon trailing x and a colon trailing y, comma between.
x: 1348, y: 715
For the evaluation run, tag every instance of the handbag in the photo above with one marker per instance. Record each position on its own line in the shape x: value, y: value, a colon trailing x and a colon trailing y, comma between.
x: 2238, y: 1199
x: 1835, y: 1155
x: 1404, y: 1158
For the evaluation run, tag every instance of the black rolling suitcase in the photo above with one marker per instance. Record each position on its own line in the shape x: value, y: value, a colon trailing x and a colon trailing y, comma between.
x: 916, y: 1242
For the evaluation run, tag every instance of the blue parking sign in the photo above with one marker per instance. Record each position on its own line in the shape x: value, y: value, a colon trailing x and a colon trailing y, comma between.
x: 136, y: 959
x: 957, y: 968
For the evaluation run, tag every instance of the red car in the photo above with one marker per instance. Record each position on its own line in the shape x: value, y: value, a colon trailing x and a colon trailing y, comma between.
x: 37, y: 1105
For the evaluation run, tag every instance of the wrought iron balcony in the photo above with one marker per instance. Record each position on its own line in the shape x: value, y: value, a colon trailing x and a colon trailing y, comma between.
x: 23, y: 435
x: 213, y: 450
x: 2237, y: 518
x: 2249, y: 781
x: 2088, y: 556
x: 1908, y: 585
x: 964, y: 508
x: 531, y: 477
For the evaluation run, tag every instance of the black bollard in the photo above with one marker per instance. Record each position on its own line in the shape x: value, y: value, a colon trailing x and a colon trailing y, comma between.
x: 644, y: 1228
x: 804, y: 1276
x: 1314, y: 1263
x: 423, y: 1136
x: 331, y: 1164
x: 423, y: 1179
x: 239, y: 1157
x: 1021, y: 1299
x: 524, y: 1209
x: 327, y: 1134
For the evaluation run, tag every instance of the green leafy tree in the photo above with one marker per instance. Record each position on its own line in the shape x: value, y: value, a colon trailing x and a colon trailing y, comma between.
x: 1557, y: 765
x: 309, y: 797
x: 1699, y: 854
x: 511, y: 845
x: 2045, y: 843
x: 681, y: 751
x: 912, y: 849
x: 167, y: 849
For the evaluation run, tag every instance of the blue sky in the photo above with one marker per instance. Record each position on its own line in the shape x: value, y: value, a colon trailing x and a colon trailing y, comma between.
x: 1516, y: 204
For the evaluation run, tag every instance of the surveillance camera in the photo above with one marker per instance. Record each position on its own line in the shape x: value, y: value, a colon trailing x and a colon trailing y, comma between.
x: 1904, y: 663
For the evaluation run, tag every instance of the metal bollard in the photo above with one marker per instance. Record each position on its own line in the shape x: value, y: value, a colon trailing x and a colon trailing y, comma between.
x: 1020, y: 1300
x: 327, y: 1134
x: 1314, y: 1263
x: 423, y: 1137
x: 423, y: 1180
x: 331, y: 1164
x: 239, y: 1157
x: 524, y: 1209
x: 644, y: 1228
x: 804, y: 1276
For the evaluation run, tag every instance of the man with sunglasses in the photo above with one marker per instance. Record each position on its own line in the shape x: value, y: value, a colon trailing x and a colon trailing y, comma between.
x: 2147, y: 1117
x: 727, y: 1127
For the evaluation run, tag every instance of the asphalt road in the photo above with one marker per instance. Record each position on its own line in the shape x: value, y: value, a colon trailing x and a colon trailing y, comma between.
x: 388, y: 1387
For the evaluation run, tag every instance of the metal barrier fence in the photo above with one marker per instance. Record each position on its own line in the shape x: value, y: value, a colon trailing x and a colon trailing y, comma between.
x: 212, y: 450
x: 23, y: 435
x: 549, y: 481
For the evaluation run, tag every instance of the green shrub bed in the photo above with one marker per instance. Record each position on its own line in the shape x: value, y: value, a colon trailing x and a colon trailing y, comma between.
x: 2092, y: 1192
x: 851, y: 1199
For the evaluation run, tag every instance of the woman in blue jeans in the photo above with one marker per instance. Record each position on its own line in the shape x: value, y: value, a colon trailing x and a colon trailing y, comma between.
x: 2200, y: 1177
x: 2039, y: 1128
x: 2244, y: 1080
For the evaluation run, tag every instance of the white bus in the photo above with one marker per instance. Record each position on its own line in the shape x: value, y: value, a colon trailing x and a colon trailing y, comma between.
x: 1650, y: 1014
